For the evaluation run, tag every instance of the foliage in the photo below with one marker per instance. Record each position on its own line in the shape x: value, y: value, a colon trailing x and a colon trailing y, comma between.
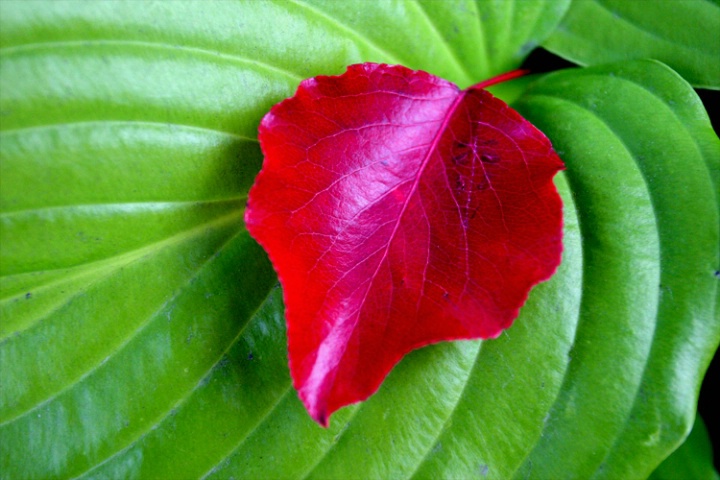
x: 693, y: 459
x: 142, y: 330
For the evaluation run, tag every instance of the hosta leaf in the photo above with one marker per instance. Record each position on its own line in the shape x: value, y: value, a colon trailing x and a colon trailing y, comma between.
x: 602, y: 115
x: 141, y: 330
x: 682, y: 34
x: 693, y: 459
x: 128, y: 143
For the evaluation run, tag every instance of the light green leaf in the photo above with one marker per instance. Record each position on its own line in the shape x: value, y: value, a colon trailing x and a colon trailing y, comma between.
x: 680, y: 33
x: 142, y: 331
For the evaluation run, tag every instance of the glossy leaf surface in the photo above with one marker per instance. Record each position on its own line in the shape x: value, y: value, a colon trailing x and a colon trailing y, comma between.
x: 398, y: 211
x: 154, y: 326
x: 682, y: 34
x: 632, y: 421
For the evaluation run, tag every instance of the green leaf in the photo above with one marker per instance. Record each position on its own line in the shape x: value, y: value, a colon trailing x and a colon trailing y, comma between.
x: 142, y: 331
x: 682, y: 34
x: 639, y: 150
x: 693, y: 459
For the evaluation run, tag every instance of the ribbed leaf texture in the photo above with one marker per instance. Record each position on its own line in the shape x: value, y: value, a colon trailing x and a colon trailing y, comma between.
x: 142, y: 329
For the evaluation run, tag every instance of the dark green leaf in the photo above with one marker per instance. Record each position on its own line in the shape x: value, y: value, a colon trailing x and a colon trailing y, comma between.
x: 639, y: 150
x: 693, y: 459
x: 681, y: 33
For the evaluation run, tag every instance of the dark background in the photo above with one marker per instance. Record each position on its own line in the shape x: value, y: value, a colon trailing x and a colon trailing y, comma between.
x: 709, y: 403
x: 709, y: 398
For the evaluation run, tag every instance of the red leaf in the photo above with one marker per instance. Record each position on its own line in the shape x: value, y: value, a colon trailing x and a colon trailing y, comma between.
x: 398, y: 211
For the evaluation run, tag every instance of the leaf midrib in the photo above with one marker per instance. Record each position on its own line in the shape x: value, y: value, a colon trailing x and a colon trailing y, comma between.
x: 6, y: 52
x: 413, y: 189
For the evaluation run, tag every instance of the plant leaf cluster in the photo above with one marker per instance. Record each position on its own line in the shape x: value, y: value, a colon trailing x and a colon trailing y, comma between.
x: 142, y: 331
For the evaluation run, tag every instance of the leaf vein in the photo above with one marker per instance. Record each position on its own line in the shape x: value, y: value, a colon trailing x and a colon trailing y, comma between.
x: 185, y: 398
x: 233, y: 57
x: 175, y: 239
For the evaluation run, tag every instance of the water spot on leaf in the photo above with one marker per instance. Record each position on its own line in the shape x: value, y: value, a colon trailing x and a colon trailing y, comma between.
x: 489, y: 158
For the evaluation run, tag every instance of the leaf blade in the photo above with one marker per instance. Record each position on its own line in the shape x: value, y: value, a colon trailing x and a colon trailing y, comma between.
x: 658, y: 88
x: 676, y: 33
